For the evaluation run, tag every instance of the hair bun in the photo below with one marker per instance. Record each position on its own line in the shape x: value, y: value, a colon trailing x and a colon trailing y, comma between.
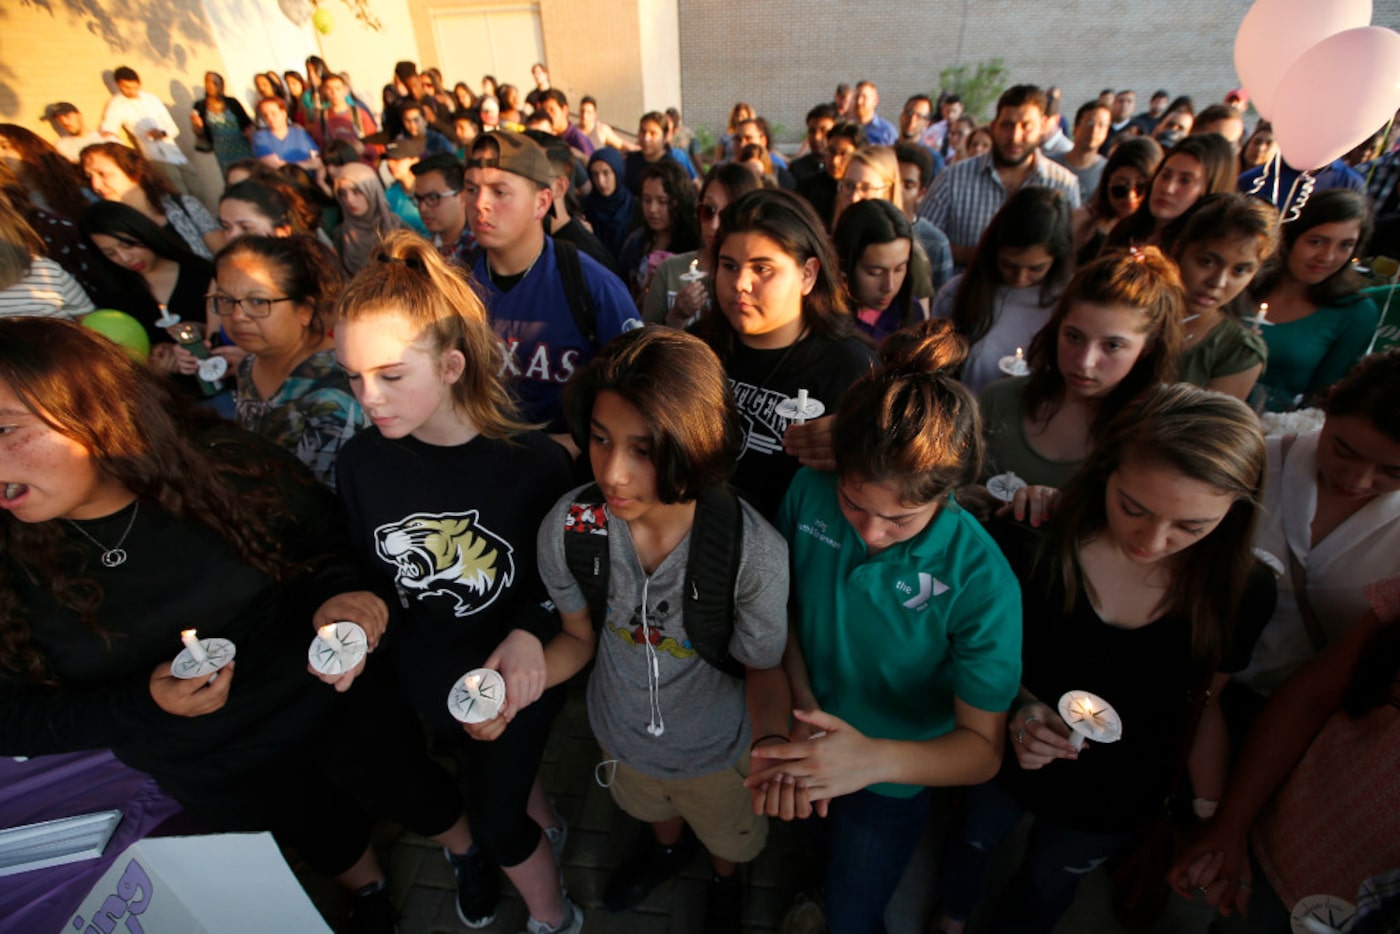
x: 932, y: 348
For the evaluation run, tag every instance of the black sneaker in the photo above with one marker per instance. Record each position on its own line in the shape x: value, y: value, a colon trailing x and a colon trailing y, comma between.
x: 648, y: 867
x: 724, y: 905
x: 372, y: 912
x: 478, y: 887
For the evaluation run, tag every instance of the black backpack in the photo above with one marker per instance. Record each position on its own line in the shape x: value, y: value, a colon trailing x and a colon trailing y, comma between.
x: 716, y: 541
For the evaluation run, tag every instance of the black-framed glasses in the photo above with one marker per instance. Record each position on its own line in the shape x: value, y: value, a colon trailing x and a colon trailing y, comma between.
x: 433, y: 199
x: 254, y: 306
x: 1123, y: 189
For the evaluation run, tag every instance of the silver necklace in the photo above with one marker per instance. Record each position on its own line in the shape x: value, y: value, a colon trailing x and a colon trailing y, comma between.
x: 491, y: 277
x: 116, y: 555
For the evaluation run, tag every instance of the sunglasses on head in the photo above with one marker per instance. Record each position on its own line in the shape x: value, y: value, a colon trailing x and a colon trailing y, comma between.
x: 1123, y: 189
x: 707, y: 212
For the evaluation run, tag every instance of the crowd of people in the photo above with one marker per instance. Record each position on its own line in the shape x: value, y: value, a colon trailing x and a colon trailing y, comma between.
x: 845, y: 477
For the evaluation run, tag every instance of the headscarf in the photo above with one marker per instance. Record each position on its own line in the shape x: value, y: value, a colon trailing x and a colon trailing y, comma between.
x: 358, y: 237
x: 611, y: 216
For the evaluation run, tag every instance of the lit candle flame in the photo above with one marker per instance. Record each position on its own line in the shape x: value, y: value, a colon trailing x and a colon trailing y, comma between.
x: 1020, y: 355
x: 331, y: 637
x: 191, y: 639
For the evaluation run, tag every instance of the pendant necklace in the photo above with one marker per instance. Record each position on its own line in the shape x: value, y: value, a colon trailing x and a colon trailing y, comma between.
x: 116, y: 555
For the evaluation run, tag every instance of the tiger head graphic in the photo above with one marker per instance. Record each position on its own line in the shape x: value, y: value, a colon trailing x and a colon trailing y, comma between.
x: 448, y: 555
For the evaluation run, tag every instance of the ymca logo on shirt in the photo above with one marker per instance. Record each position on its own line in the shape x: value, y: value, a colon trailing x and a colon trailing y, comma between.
x: 817, y: 529
x: 449, y: 555
x: 918, y: 593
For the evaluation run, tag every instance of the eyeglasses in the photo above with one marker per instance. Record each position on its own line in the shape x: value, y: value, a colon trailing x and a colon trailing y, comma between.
x: 864, y: 189
x: 433, y: 199
x: 1123, y: 189
x: 254, y: 307
x: 707, y: 213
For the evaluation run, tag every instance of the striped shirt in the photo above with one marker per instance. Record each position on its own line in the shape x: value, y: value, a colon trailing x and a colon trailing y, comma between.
x: 967, y: 195
x: 45, y: 292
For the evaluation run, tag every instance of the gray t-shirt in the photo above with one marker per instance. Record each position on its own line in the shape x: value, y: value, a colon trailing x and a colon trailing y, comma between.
x: 703, y: 710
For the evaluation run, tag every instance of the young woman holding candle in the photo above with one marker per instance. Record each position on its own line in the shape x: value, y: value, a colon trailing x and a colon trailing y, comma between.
x: 673, y: 298
x: 444, y: 502
x: 1145, y: 592
x: 1114, y: 334
x: 905, y: 648
x: 1024, y: 259
x: 1318, y: 323
x: 1222, y: 245
x: 780, y: 325
x: 125, y: 519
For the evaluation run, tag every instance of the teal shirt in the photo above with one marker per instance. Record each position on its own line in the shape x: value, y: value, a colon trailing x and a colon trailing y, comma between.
x: 1310, y: 354
x: 891, y: 639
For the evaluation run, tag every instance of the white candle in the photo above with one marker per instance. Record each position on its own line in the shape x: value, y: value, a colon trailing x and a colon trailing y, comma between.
x: 472, y: 683
x: 1020, y: 355
x: 330, y: 637
x: 191, y: 640
x: 801, y: 406
x: 1263, y: 312
x: 1090, y: 717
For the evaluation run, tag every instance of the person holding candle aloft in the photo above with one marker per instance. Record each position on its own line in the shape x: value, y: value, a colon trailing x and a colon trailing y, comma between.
x: 1113, y: 335
x: 1143, y: 591
x: 1287, y: 812
x: 444, y: 501
x: 905, y: 648
x: 127, y: 519
x: 1319, y: 324
x: 1223, y: 243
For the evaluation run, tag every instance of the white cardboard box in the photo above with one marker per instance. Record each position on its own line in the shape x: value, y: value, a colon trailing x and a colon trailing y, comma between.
x: 220, y: 884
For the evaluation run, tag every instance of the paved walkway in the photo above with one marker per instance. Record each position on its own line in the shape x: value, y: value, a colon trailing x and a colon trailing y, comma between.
x: 600, y: 837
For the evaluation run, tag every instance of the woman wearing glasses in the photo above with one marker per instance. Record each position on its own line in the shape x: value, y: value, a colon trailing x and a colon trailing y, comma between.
x: 677, y: 297
x: 274, y: 297
x: 1121, y: 190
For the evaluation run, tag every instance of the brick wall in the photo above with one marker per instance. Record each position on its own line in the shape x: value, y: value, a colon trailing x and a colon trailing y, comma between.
x: 784, y: 57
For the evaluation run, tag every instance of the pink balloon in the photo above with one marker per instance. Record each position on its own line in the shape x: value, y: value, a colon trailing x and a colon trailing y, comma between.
x: 1339, y: 92
x: 1275, y: 32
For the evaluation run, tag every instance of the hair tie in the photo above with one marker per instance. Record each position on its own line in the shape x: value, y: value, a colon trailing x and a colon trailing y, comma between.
x: 412, y: 262
x: 1137, y: 255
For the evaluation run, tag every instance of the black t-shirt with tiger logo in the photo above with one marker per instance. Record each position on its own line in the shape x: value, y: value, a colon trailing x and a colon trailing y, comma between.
x: 448, y: 535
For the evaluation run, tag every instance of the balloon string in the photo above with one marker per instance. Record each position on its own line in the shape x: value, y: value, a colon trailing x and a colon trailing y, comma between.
x: 1263, y: 177
x: 1303, y: 185
x: 1278, y: 171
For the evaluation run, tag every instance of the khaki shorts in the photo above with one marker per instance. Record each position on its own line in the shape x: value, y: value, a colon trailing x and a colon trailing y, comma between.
x: 716, y: 806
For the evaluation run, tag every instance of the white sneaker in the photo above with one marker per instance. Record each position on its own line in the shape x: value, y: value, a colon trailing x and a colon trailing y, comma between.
x: 572, y: 923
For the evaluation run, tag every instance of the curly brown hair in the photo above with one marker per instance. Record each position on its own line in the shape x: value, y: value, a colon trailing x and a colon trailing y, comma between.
x: 135, y: 167
x: 83, y: 386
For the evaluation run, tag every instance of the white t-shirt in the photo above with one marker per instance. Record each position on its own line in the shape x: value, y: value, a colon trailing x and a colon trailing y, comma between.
x: 46, y: 292
x: 139, y: 114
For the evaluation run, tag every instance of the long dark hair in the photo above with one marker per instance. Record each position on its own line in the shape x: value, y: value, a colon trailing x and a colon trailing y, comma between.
x: 1143, y: 280
x: 1218, y: 166
x: 680, y: 195
x: 1336, y: 205
x: 46, y: 171
x: 871, y: 223
x: 1030, y: 217
x: 137, y: 433
x: 1207, y: 436
x: 789, y: 221
x: 1143, y: 153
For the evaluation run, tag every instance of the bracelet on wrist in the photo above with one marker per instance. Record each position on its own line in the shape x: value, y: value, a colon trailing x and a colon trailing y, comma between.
x: 763, y: 739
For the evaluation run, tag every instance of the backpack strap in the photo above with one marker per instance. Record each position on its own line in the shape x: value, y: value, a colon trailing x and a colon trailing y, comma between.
x: 716, y: 541
x: 586, y: 550
x: 576, y: 290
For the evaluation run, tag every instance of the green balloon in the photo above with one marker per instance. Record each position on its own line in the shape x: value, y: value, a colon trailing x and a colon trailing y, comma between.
x: 323, y: 20
x: 122, y: 329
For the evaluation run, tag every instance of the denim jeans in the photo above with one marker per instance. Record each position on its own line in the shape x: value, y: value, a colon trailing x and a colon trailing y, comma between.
x: 868, y: 841
x: 1056, y: 858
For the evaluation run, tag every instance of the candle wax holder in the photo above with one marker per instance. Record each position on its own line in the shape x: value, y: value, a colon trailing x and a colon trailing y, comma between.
x: 190, y: 335
x: 790, y: 410
x: 219, y: 653
x: 1090, y: 717
x: 477, y: 696
x: 328, y: 659
x: 1004, y: 486
x: 1013, y: 365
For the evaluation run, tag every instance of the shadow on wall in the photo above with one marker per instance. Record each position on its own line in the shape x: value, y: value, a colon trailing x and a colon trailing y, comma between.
x: 152, y: 29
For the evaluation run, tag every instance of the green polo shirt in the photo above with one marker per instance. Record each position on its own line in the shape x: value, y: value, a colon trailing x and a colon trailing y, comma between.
x: 891, y: 639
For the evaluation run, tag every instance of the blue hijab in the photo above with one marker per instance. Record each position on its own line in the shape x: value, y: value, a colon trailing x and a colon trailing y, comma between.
x: 611, y: 216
